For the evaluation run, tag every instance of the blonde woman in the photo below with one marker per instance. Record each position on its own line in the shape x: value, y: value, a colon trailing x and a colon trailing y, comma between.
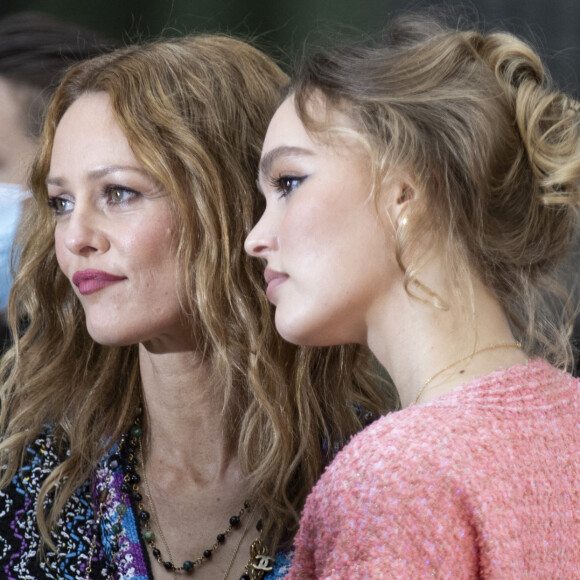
x: 153, y: 425
x: 420, y: 194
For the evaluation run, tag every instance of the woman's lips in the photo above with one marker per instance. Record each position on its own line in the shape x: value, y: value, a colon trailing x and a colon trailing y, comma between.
x: 273, y: 280
x: 89, y: 281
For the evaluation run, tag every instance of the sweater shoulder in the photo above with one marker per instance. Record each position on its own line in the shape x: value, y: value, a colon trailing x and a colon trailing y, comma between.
x: 487, y: 419
x: 436, y: 489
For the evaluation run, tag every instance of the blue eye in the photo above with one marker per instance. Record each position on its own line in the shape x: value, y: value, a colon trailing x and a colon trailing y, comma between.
x: 286, y: 184
x: 60, y: 205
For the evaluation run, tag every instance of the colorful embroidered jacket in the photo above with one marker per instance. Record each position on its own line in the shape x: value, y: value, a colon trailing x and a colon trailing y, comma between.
x: 83, y: 546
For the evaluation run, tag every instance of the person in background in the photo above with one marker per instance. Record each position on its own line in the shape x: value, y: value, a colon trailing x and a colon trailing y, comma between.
x: 153, y: 422
x: 35, y: 50
x: 421, y: 192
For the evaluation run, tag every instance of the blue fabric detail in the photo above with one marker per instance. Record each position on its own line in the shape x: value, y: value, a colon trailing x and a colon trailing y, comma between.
x: 10, y: 206
x: 282, y: 566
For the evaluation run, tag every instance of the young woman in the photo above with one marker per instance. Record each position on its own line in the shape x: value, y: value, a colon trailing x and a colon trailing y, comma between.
x: 420, y: 193
x: 153, y: 425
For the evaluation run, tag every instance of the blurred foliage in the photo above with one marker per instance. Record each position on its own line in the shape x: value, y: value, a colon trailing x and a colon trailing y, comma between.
x: 282, y: 20
x: 282, y: 25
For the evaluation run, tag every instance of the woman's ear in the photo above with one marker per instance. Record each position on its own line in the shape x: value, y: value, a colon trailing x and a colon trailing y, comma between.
x: 405, y: 196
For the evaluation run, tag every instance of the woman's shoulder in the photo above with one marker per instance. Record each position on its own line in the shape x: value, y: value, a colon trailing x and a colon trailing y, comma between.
x: 19, y: 533
x: 446, y: 469
x: 41, y: 457
x: 483, y: 420
x: 394, y: 447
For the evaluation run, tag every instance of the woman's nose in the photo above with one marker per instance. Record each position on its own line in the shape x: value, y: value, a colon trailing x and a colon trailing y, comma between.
x: 83, y: 233
x: 261, y: 239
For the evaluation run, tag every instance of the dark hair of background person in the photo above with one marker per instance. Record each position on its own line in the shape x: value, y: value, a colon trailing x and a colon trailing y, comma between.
x: 35, y: 51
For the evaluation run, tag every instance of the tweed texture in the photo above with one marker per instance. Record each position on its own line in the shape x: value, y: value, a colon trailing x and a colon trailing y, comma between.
x: 20, y: 538
x: 483, y: 482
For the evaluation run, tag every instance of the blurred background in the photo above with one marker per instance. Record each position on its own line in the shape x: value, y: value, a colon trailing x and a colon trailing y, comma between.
x: 553, y: 25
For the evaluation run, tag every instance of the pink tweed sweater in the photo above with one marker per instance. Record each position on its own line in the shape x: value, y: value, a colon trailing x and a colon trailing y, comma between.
x: 483, y: 482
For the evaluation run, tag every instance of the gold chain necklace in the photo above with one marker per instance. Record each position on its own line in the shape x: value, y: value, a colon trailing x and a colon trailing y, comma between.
x: 154, y: 509
x: 517, y: 345
x: 236, y: 551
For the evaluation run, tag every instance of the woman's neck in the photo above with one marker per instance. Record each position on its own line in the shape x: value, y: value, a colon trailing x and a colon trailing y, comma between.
x: 427, y: 350
x: 183, y: 415
x: 192, y: 479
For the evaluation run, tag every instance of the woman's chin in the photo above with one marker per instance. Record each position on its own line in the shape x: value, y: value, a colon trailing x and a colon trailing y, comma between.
x: 300, y: 334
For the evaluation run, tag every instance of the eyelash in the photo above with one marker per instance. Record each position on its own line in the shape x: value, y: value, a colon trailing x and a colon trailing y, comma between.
x: 279, y: 182
x: 53, y: 202
x: 111, y: 188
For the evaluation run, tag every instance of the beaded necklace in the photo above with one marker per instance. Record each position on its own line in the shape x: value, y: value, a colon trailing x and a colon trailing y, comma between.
x: 150, y: 537
x: 128, y: 454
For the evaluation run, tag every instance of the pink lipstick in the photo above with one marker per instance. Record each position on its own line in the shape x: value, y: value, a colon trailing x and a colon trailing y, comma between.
x: 89, y: 281
x: 273, y: 280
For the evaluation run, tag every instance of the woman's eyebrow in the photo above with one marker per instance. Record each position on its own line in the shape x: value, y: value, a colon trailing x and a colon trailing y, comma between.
x: 282, y: 151
x: 98, y: 173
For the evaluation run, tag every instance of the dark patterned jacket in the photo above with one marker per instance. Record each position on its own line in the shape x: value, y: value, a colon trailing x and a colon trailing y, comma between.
x: 88, y: 544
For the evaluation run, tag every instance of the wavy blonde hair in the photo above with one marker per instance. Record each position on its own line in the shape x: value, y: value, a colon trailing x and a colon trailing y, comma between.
x: 493, y: 146
x: 195, y: 111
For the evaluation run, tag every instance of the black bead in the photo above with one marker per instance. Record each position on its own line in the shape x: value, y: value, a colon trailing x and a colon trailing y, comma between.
x: 207, y: 554
x: 144, y: 515
x: 134, y: 478
x: 138, y: 497
x: 130, y: 450
x: 221, y: 538
x: 168, y: 565
x: 235, y: 521
x: 114, y: 462
x: 112, y: 568
x: 244, y: 577
x: 156, y: 553
x: 115, y: 547
x: 260, y: 525
x: 125, y: 488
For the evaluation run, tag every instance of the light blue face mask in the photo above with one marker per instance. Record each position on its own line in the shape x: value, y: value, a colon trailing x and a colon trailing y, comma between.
x: 11, y: 196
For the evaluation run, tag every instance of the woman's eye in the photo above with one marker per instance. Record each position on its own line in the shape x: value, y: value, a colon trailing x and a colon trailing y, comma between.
x: 286, y: 184
x: 117, y: 194
x: 60, y: 205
